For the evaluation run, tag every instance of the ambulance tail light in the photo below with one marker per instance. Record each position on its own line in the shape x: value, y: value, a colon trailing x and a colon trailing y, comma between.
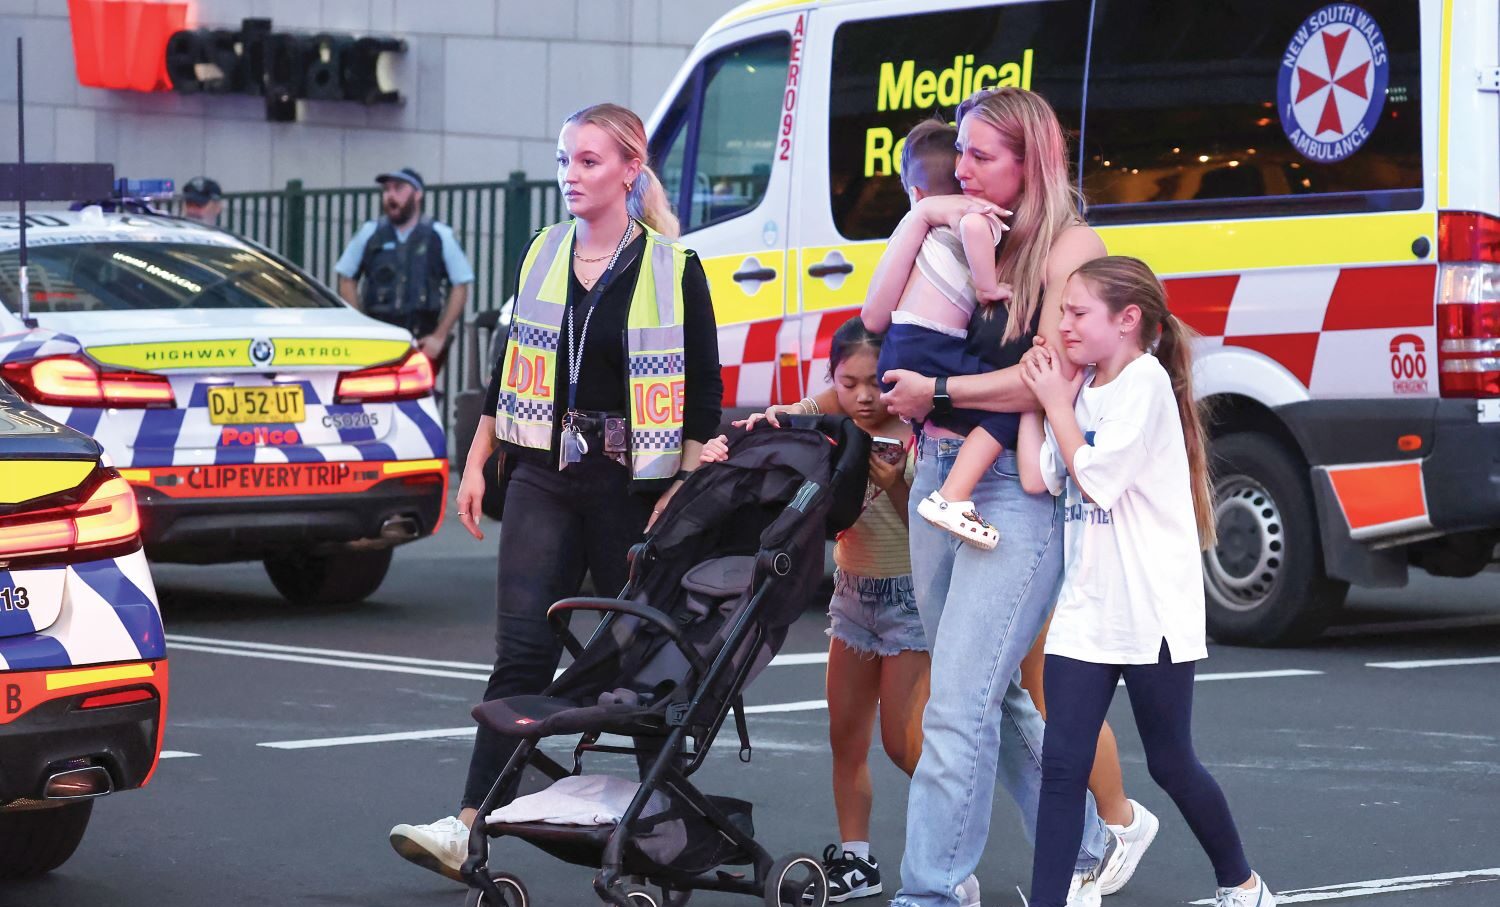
x: 1468, y: 304
x: 408, y: 379
x: 108, y: 518
x: 77, y: 381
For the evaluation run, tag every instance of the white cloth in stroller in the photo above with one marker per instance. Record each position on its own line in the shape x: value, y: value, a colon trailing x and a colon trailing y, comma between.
x: 579, y: 800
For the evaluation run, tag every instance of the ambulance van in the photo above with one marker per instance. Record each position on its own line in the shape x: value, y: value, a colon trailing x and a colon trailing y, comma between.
x: 1317, y: 183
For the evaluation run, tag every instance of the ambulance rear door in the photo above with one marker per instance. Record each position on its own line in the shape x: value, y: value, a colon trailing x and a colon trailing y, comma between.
x: 721, y: 143
x: 878, y: 69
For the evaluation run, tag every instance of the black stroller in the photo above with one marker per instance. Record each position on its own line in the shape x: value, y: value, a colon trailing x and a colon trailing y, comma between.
x: 736, y: 557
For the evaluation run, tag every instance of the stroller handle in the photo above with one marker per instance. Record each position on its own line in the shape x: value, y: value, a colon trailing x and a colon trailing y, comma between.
x: 559, y: 610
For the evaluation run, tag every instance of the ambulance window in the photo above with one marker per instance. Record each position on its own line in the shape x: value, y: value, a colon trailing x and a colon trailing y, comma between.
x: 716, y: 146
x: 890, y: 74
x: 1253, y: 107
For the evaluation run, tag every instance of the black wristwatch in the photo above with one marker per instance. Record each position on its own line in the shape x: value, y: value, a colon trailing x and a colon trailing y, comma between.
x: 942, y: 404
x: 682, y: 475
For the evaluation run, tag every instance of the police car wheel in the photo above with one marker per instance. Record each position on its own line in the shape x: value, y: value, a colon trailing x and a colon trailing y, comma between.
x: 37, y: 841
x: 334, y: 578
x: 1264, y: 579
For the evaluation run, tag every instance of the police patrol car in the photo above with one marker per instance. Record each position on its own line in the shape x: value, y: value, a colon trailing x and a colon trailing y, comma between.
x: 254, y: 413
x: 83, y: 667
x: 1318, y: 183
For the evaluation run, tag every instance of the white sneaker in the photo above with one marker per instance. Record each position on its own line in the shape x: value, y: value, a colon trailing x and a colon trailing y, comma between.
x: 1259, y: 896
x: 441, y: 847
x: 968, y: 892
x: 959, y: 518
x: 1137, y: 836
x: 1083, y: 891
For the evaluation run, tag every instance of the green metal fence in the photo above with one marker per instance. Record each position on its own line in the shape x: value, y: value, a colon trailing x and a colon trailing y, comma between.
x: 492, y: 221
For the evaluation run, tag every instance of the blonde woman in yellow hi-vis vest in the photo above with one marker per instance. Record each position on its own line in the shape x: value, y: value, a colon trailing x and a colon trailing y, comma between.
x: 606, y: 392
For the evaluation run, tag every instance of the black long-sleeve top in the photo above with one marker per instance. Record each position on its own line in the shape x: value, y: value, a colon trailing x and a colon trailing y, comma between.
x: 602, y: 381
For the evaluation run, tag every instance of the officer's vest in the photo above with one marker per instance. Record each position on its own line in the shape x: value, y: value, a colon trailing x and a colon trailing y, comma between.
x: 653, y: 342
x: 403, y: 281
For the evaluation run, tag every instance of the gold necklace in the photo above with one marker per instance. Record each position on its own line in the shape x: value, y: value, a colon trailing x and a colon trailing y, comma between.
x: 629, y: 230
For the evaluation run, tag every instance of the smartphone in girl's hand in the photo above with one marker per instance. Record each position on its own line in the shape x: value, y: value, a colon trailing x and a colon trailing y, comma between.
x: 888, y: 449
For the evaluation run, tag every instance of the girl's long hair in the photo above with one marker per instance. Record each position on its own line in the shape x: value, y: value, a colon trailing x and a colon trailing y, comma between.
x: 647, y: 200
x: 1049, y: 202
x: 1121, y: 281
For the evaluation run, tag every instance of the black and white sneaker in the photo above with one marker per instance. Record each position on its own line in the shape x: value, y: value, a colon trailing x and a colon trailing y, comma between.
x: 850, y: 876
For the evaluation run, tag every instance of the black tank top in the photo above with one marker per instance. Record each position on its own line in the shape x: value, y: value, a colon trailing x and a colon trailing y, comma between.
x: 988, y: 326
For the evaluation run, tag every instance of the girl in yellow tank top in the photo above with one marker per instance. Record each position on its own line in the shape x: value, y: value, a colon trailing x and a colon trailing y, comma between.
x: 877, y: 652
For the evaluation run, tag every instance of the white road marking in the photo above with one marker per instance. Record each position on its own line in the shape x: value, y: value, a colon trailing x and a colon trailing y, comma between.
x: 1381, y: 886
x: 345, y: 658
x: 1433, y: 663
x: 321, y: 742
x: 330, y: 662
x: 177, y: 754
x: 806, y: 705
x: 803, y: 705
x: 176, y: 638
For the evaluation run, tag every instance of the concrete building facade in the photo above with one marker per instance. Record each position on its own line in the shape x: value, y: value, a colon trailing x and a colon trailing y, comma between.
x: 485, y: 84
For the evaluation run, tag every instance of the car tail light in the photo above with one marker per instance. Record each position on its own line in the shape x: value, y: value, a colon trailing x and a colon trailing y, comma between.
x: 107, y: 518
x: 76, y: 381
x: 1468, y: 304
x: 405, y: 380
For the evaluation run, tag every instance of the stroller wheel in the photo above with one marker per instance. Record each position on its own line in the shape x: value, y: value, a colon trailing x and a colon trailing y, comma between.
x: 641, y: 896
x: 797, y: 880
x: 512, y: 890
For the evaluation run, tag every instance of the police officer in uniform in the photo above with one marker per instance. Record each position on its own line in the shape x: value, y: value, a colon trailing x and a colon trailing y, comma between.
x: 601, y: 405
x: 407, y: 269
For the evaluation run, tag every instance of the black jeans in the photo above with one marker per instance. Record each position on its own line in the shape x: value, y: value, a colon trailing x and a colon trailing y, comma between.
x: 557, y: 526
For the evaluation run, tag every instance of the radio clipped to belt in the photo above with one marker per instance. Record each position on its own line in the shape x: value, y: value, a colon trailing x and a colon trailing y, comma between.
x: 577, y: 426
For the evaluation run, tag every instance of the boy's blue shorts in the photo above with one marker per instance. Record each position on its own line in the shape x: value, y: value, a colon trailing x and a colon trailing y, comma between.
x: 935, y: 354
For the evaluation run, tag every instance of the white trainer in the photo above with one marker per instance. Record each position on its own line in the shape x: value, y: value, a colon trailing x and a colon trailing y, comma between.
x: 1137, y: 836
x: 1259, y: 896
x: 959, y: 518
x: 441, y: 846
x: 968, y: 892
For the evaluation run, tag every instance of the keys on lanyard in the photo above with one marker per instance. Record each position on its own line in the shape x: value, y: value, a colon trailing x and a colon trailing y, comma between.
x: 571, y: 443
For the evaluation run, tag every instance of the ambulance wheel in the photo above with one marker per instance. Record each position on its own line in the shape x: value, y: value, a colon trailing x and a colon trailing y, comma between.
x: 1264, y: 579
x: 336, y: 578
x: 511, y: 888
x: 797, y: 880
x: 37, y: 841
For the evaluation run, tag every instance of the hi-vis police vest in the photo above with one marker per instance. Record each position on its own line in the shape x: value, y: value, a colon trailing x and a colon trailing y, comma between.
x: 653, y: 342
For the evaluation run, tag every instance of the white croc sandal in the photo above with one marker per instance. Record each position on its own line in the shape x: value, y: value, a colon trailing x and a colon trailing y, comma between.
x: 959, y: 518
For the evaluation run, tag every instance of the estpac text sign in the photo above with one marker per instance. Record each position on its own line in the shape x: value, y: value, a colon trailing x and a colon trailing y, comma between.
x: 282, y: 67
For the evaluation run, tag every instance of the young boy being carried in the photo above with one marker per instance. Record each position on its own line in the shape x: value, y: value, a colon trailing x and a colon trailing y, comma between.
x: 955, y: 272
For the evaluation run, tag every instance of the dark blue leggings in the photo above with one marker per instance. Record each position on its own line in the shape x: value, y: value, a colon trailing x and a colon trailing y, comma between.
x: 1161, y: 696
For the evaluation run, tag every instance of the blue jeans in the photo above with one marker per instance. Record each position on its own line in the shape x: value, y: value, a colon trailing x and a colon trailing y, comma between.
x: 982, y: 610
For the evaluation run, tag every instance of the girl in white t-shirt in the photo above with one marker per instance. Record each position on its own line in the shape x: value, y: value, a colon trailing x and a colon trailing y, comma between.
x: 1124, y: 444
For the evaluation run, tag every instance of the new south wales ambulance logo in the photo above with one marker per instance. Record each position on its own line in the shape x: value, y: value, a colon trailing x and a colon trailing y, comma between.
x: 1331, y: 86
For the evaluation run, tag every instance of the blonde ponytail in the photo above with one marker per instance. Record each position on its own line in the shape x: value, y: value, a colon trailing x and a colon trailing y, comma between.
x: 647, y: 200
x: 648, y: 203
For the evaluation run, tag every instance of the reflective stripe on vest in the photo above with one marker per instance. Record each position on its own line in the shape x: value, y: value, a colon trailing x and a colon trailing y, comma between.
x: 653, y: 341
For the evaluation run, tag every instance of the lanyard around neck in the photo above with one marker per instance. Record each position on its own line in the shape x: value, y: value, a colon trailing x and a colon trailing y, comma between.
x: 577, y: 342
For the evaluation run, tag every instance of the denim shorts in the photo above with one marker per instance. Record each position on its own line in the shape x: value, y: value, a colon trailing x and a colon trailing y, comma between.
x: 876, y: 617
